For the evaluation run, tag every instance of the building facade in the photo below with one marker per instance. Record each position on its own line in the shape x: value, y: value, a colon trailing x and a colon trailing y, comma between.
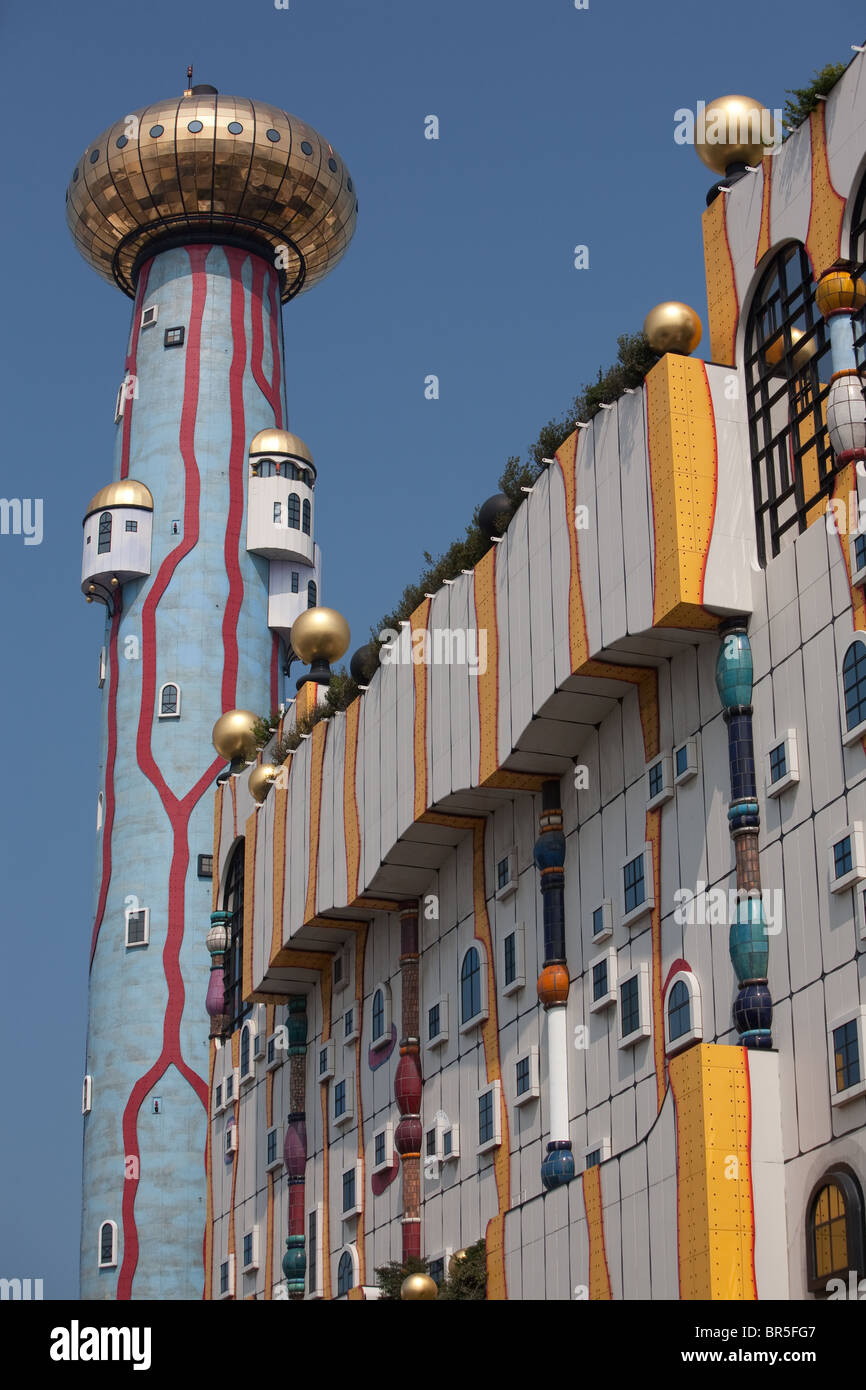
x: 556, y: 937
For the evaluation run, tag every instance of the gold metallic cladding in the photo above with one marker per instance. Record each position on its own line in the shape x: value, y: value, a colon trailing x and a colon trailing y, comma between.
x: 126, y: 493
x: 275, y: 441
x: 233, y: 734
x: 320, y: 634
x: 213, y: 182
x: 672, y: 327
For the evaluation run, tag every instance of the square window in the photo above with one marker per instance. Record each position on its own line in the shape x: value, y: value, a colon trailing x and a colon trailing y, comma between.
x: 513, y: 967
x: 204, y: 866
x: 847, y: 858
x: 131, y: 526
x: 656, y: 780
x: 526, y: 1076
x: 173, y: 337
x: 845, y: 1040
x: 634, y: 1006
x: 778, y: 762
x: 489, y: 1117
x: 637, y: 886
x: 781, y: 765
x: 149, y: 316
x: 686, y: 762
x: 601, y: 974
x: 659, y: 781
x: 602, y: 921
x: 842, y: 856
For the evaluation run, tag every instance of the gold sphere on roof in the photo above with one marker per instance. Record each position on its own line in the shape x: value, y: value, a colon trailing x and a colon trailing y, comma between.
x: 673, y: 327
x: 320, y: 634
x: 216, y: 165
x: 837, y: 289
x: 260, y: 779
x: 126, y: 493
x: 275, y: 441
x: 418, y: 1287
x: 233, y: 735
x: 456, y: 1258
x: 734, y: 130
x: 801, y: 357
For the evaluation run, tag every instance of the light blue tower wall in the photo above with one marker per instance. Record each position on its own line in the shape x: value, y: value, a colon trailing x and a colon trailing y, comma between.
x: 198, y: 620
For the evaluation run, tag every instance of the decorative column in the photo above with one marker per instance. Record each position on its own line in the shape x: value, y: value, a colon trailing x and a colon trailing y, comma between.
x: 749, y: 943
x: 295, y: 1148
x: 553, y: 982
x: 407, y: 1083
x: 217, y: 944
x: 839, y: 297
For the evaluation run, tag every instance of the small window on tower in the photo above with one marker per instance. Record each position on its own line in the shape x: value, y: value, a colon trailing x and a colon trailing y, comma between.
x: 173, y: 337
x: 104, y: 534
x: 278, y: 512
x: 138, y: 927
x: 132, y: 526
x: 306, y: 513
x: 294, y: 581
x: 149, y: 316
x: 169, y: 701
x: 293, y: 516
x: 205, y: 866
x: 312, y: 594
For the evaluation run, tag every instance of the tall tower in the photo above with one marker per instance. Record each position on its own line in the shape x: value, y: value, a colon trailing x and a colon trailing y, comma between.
x: 208, y: 212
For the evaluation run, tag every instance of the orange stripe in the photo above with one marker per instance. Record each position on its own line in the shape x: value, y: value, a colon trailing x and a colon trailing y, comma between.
x: 360, y: 948
x: 419, y: 619
x: 281, y: 806
x: 824, y: 237
x: 217, y: 836
x: 484, y: 581
x: 766, y: 194
x: 599, y: 1274
x: 208, y: 1164
x: 323, y: 1091
x: 351, y: 825
x: 270, y: 1013
x: 722, y: 301
x: 320, y: 733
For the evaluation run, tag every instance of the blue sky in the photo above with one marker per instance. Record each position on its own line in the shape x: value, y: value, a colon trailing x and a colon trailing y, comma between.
x: 556, y: 129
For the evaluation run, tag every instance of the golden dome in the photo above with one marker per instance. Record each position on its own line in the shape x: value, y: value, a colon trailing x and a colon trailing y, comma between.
x: 275, y: 441
x: 418, y: 1286
x: 233, y: 735
x: 320, y: 634
x: 219, y: 165
x: 837, y: 289
x: 260, y: 779
x: 672, y: 327
x: 736, y: 130
x: 126, y: 493
x: 776, y: 350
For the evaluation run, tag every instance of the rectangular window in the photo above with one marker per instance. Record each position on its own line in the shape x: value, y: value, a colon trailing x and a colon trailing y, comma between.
x: 272, y: 1146
x: 778, y: 762
x: 485, y: 1118
x: 510, y: 958
x: 599, y: 979
x: 433, y: 1022
x: 436, y: 1270
x: 447, y: 1143
x: 219, y: 1097
x: 348, y: 1022
x: 349, y: 1189
x: 277, y: 513
x: 136, y: 928
x: 634, y: 890
x: 629, y: 996
x: 272, y: 1049
x: 294, y: 581
x: 230, y: 1087
x: 860, y: 552
x: 682, y: 760
x: 842, y: 856
x: 132, y: 526
x: 431, y: 1143
x: 593, y: 1158
x: 173, y: 337
x: 248, y: 1249
x: 205, y: 866
x: 522, y: 1076
x: 503, y: 872
x: 656, y: 780
x: 338, y: 970
x: 846, y: 1055
x: 224, y: 1277
x: 598, y: 921
x: 379, y: 1149
x: 340, y: 1098
x: 312, y: 1252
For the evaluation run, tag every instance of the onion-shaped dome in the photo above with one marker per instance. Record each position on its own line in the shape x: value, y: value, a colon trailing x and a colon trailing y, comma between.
x: 734, y: 671
x: 553, y: 985
x: 211, y: 168
x: 126, y: 493
x: 838, y: 291
x: 549, y: 850
x: 274, y: 441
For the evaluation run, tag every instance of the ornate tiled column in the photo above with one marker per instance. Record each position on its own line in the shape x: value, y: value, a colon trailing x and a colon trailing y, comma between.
x: 217, y: 944
x: 749, y: 944
x: 407, y: 1083
x: 295, y: 1148
x: 558, y: 1165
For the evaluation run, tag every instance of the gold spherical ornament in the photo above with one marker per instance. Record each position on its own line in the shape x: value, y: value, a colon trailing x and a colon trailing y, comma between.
x: 837, y: 289
x: 233, y: 735
x: 802, y: 356
x: 734, y: 130
x: 418, y: 1287
x: 672, y: 327
x: 320, y: 634
x: 457, y: 1258
x: 260, y: 780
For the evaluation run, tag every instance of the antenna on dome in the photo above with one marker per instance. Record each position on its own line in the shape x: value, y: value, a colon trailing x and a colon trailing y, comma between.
x: 188, y: 92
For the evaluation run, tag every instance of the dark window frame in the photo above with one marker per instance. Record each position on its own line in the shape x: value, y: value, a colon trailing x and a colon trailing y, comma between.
x: 846, y: 1180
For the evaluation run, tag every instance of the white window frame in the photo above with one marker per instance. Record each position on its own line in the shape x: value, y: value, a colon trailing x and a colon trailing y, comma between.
x: 120, y: 402
x: 860, y: 913
x: 858, y: 1013
x: 245, y: 1077
x: 87, y: 1094
x: 854, y: 735
x: 792, y: 764
x: 444, y: 1256
x: 133, y: 912
x: 355, y: 1033
x: 858, y: 576
x: 857, y: 872
x: 484, y: 1011
x: 693, y: 1034
x: 519, y: 981
x: 388, y: 1161
x: 112, y: 1262
x: 691, y: 768
x: 254, y: 1262
x: 649, y: 902
x: 603, y: 1145
x: 488, y: 1144
x: 510, y: 887
x: 667, y: 790
x: 385, y: 1037
x: 348, y: 1115
x: 230, y: 1287
x: 344, y: 957
x: 103, y: 666
x: 644, y: 1028
x: 606, y: 932
x: 319, y: 1291
x: 358, y: 1168
x: 277, y: 1060
x: 173, y: 714
x: 453, y: 1129
x: 100, y: 810
x: 231, y: 1075
x: 441, y: 1037
x: 149, y: 315
x: 330, y: 1068
x: 611, y: 997
x: 278, y: 1161
x: 530, y: 1054
x: 230, y: 1139
x: 218, y: 1102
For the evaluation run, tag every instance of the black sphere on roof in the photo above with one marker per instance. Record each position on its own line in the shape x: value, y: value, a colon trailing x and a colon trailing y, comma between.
x: 364, y: 664
x: 495, y: 514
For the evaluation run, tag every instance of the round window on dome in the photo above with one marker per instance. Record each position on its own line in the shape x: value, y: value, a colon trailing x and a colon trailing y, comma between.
x: 306, y: 147
x: 235, y: 127
x: 120, y: 142
x: 332, y: 165
x: 194, y: 127
x: 349, y: 185
x: 273, y: 135
x: 156, y: 131
x: 75, y: 177
x: 94, y: 156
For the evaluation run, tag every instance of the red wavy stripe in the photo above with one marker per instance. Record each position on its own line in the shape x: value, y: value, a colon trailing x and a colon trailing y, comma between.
x: 237, y: 464
x: 130, y: 368
x: 275, y: 351
x: 111, y: 752
x: 270, y: 391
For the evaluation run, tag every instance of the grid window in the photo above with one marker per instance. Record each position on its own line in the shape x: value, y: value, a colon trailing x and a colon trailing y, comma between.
x: 510, y: 952
x: 599, y: 980
x: 204, y: 867
x: 430, y: 1143
x: 679, y: 1010
x: 830, y: 1232
x: 245, y: 1051
x: 323, y: 1060
x: 104, y: 534
x: 131, y: 526
x: 233, y: 904
x: 846, y: 1055
x: 230, y: 1087
x: 345, y: 1274
x: 272, y: 1146
x: 248, y: 1249
x: 136, y: 928
x: 106, y: 1244
x: 305, y: 525
x: 634, y: 887
x: 434, y: 1022
x: 629, y: 996
x: 656, y: 780
x: 486, y: 1131
x: 173, y: 337
x: 522, y: 1076
x: 842, y: 859
x: 340, y: 1098
x: 593, y: 1158
x: 436, y: 1270
x: 293, y: 512
x: 854, y: 683
x: 349, y: 1189
x: 503, y: 872
x: 379, y: 1150
x: 168, y: 700
x: 778, y: 763
x: 470, y: 985
x: 378, y: 1015
x: 349, y: 1022
x: 447, y: 1143
x: 224, y: 1277
x: 859, y: 552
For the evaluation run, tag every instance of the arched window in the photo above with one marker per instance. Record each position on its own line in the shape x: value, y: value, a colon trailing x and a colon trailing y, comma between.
x: 306, y: 523
x: 682, y: 1012
x: 834, y: 1230
x: 169, y: 701
x: 788, y: 369
x: 108, y: 1245
x: 293, y: 515
x: 312, y: 594
x: 378, y: 1015
x: 679, y: 1011
x: 345, y: 1273
x: 854, y: 684
x: 233, y: 967
x: 470, y: 985
x: 270, y: 469
x: 245, y: 1050
x: 104, y: 534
